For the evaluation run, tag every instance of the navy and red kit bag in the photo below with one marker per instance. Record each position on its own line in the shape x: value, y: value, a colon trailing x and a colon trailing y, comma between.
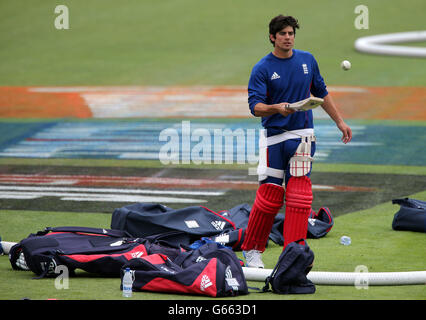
x: 182, y: 226
x: 95, y: 250
x: 320, y: 223
x: 212, y: 276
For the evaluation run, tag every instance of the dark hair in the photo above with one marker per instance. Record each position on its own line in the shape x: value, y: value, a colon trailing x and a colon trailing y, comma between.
x: 280, y: 22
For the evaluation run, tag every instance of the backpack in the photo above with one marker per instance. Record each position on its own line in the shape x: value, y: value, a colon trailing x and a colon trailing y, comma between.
x: 289, y: 275
x: 216, y: 275
x: 95, y: 250
x: 411, y: 215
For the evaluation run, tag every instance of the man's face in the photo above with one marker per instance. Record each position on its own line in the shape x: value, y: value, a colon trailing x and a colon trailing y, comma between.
x: 284, y: 39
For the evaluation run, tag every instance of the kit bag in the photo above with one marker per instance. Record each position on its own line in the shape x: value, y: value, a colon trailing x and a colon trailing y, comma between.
x: 411, y: 215
x: 319, y: 223
x: 95, y: 250
x: 290, y: 273
x: 182, y: 226
x: 210, y: 274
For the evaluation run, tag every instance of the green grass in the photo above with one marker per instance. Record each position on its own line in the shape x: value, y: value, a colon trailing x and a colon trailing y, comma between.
x: 191, y: 42
x: 374, y: 244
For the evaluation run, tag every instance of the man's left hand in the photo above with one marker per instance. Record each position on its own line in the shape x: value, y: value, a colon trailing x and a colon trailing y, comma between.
x: 346, y: 131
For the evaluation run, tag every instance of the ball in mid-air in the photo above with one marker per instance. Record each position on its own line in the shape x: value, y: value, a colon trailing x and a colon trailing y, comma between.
x: 346, y: 65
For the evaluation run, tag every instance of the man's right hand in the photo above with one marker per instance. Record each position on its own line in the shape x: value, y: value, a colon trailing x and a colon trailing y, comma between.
x: 264, y: 110
x: 284, y: 110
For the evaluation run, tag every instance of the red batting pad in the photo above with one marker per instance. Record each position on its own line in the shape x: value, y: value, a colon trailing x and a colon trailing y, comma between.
x: 269, y: 200
x: 298, y: 207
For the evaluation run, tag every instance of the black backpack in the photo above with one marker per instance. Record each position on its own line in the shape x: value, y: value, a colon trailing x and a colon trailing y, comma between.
x: 290, y: 273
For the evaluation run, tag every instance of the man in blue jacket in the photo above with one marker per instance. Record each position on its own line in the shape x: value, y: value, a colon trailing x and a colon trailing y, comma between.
x: 287, y: 145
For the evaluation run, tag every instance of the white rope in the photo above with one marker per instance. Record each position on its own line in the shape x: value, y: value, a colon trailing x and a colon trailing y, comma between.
x: 349, y: 278
x: 379, y: 44
x: 5, y: 245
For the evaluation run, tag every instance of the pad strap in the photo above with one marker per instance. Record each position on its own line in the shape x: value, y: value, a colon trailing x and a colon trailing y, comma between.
x: 265, y: 172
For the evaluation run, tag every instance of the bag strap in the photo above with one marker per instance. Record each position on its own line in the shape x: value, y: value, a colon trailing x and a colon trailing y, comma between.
x: 259, y: 290
x: 265, y: 288
x: 107, y: 232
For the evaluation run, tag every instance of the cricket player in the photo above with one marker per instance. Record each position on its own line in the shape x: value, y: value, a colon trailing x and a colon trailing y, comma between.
x: 287, y: 145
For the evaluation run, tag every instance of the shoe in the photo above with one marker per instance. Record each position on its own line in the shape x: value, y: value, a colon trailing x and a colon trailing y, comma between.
x: 253, y: 259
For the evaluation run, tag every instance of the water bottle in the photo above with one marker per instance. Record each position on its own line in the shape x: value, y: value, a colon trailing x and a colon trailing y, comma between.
x: 127, y: 283
x: 345, y: 240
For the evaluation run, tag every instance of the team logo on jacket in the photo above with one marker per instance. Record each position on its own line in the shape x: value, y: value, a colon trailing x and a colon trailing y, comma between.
x: 205, y: 283
x: 275, y: 76
x: 305, y: 68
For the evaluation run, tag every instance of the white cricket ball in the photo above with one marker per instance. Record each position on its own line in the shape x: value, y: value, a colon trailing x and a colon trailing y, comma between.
x: 346, y: 65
